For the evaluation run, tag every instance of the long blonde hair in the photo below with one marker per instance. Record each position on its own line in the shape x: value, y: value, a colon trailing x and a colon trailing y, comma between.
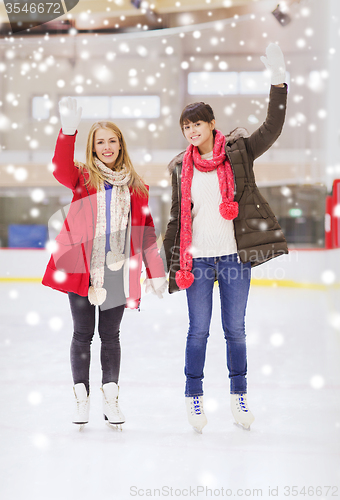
x: 95, y: 175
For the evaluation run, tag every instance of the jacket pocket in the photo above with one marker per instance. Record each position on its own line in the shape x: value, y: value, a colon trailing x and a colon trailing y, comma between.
x: 260, y: 224
x: 68, y: 256
x: 254, y: 211
x: 261, y: 206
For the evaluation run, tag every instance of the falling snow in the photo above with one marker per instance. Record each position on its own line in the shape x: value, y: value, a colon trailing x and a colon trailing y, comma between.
x: 293, y: 342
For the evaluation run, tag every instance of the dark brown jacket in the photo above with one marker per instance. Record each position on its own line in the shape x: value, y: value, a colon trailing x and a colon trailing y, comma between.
x: 257, y: 232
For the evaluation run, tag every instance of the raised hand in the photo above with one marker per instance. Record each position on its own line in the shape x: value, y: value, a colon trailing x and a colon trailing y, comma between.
x: 70, y: 115
x: 275, y: 63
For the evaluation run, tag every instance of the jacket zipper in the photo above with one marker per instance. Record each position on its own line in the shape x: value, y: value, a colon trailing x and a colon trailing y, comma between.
x: 88, y: 194
x: 232, y: 169
x: 93, y: 225
x: 178, y: 218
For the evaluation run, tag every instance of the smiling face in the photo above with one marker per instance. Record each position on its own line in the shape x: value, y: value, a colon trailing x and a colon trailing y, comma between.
x: 106, y: 146
x: 200, y: 134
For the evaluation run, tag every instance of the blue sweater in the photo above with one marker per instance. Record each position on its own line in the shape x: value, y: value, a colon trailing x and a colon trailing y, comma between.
x: 108, y: 196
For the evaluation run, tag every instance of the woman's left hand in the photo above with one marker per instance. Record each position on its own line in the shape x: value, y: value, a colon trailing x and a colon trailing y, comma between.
x: 70, y: 115
x: 275, y: 63
x: 157, y: 286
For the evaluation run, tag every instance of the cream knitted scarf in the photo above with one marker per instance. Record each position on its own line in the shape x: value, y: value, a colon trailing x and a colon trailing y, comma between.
x: 119, y: 213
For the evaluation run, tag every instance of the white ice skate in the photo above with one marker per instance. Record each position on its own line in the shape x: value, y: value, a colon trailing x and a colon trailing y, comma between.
x: 111, y: 410
x: 241, y: 413
x: 195, y: 412
x: 82, y: 408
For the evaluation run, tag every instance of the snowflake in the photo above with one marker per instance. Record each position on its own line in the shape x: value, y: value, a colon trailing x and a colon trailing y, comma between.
x: 40, y: 441
x: 34, y: 212
x: 20, y: 174
x: 317, y: 382
x: 32, y: 318
x: 277, y: 339
x: 266, y: 370
x: 328, y: 277
x: 55, y: 323
x: 34, y: 398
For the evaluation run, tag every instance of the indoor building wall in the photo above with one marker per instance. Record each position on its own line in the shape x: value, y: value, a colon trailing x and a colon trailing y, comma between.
x: 158, y: 63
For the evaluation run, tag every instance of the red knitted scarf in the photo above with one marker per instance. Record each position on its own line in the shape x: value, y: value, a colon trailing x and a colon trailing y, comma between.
x: 228, y: 208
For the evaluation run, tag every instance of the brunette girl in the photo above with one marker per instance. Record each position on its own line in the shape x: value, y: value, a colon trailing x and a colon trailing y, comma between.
x: 220, y: 227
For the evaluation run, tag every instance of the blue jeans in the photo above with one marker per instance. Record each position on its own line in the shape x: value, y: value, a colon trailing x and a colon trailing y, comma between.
x: 234, y: 281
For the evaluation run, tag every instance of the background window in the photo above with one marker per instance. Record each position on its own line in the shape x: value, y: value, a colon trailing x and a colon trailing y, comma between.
x: 213, y: 83
x: 300, y: 210
x: 228, y: 83
x: 256, y: 82
x: 41, y: 107
x: 94, y: 107
x: 135, y: 106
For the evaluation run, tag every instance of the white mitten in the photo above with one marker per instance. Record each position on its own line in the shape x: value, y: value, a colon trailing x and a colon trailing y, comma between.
x: 157, y: 286
x: 70, y: 116
x: 275, y: 63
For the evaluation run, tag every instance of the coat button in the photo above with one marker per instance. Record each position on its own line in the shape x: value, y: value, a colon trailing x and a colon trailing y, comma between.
x: 258, y: 206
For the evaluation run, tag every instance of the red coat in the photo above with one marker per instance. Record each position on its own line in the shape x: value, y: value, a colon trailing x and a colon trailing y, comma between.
x: 75, y: 240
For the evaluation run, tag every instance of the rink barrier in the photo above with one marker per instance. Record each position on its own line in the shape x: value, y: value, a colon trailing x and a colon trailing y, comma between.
x: 22, y: 280
x: 254, y: 282
x: 292, y: 284
x: 307, y: 269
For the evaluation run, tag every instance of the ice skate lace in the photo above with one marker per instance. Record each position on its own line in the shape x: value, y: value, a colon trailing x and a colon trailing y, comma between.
x: 113, y: 405
x: 82, y: 406
x: 196, y: 406
x: 243, y: 403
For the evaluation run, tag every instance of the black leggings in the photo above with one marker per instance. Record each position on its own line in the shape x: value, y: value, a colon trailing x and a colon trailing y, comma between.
x: 83, y: 314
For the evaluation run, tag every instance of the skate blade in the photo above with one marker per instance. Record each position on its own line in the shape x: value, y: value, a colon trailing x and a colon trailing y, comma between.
x: 115, y: 427
x: 81, y: 426
x: 245, y: 427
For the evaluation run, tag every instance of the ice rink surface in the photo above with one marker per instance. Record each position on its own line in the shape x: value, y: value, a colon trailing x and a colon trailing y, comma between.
x: 293, y: 391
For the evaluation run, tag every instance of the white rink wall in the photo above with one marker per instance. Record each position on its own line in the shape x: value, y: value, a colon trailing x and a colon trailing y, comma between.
x: 299, y: 267
x: 23, y: 263
x: 302, y: 267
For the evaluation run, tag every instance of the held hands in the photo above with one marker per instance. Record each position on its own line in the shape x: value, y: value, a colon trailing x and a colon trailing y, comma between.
x: 275, y: 63
x: 70, y: 115
x: 157, y: 286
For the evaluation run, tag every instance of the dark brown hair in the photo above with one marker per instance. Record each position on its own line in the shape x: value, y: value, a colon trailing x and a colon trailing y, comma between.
x: 198, y: 111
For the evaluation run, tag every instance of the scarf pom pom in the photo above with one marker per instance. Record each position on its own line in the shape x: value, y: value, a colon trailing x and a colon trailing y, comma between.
x: 229, y: 210
x: 96, y: 296
x: 115, y: 261
x: 184, y: 279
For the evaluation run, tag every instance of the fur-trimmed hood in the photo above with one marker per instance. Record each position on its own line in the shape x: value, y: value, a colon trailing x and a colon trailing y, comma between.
x: 232, y: 137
